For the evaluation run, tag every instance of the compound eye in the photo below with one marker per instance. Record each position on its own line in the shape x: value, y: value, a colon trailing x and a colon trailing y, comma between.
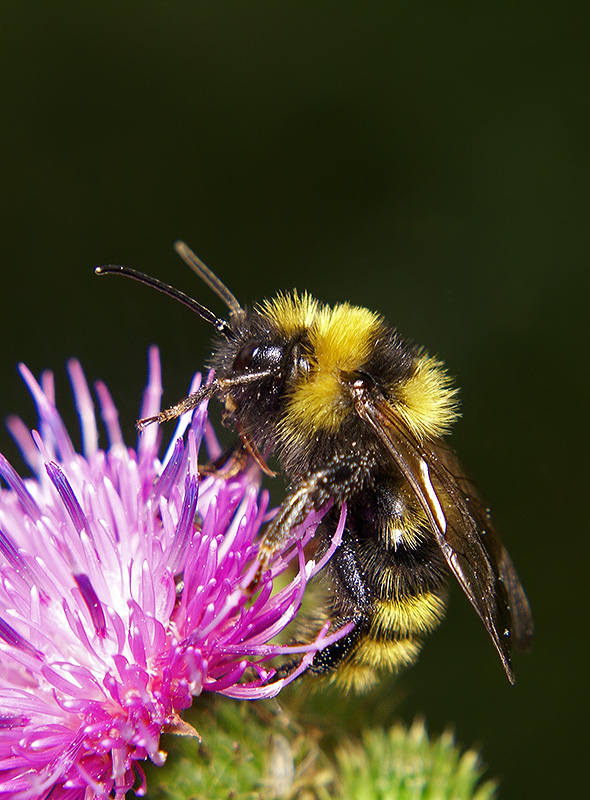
x: 244, y: 358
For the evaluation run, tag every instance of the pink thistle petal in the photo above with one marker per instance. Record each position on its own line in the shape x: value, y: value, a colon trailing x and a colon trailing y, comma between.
x: 84, y: 406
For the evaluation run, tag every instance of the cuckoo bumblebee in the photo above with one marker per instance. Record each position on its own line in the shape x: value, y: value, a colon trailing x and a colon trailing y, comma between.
x: 355, y: 414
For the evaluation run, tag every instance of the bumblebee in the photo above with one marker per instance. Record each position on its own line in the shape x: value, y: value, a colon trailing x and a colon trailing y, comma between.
x: 355, y: 414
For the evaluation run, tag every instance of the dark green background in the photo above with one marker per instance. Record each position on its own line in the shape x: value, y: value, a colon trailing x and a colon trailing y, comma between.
x: 428, y: 160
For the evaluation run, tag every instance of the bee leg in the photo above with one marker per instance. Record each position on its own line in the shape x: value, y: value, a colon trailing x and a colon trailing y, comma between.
x: 230, y: 462
x: 285, y: 669
x: 327, y: 660
x: 348, y: 575
x: 350, y: 603
x: 299, y: 502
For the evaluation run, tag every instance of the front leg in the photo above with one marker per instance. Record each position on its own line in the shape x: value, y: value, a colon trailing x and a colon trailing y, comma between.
x: 308, y: 494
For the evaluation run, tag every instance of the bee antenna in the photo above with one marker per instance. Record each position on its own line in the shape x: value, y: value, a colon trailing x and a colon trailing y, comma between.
x: 220, y: 325
x: 212, y: 281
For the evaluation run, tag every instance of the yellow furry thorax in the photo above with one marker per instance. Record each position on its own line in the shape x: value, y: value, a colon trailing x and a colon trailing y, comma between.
x: 341, y: 339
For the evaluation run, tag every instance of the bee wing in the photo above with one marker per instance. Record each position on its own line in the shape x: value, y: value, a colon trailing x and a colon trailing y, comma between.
x: 461, y: 525
x: 469, y: 519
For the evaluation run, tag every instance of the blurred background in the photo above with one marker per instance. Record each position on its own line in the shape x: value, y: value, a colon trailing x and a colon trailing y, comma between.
x: 429, y: 162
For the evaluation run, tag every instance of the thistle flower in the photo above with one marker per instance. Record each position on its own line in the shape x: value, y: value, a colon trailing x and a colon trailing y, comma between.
x: 123, y: 595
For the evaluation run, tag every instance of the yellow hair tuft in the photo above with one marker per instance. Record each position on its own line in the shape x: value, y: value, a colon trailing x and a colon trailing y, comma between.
x: 292, y: 312
x: 406, y: 615
x: 427, y: 401
x: 361, y: 671
x: 340, y: 340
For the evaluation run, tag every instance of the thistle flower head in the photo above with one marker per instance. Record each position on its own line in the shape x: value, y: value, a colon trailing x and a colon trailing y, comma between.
x: 123, y: 594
